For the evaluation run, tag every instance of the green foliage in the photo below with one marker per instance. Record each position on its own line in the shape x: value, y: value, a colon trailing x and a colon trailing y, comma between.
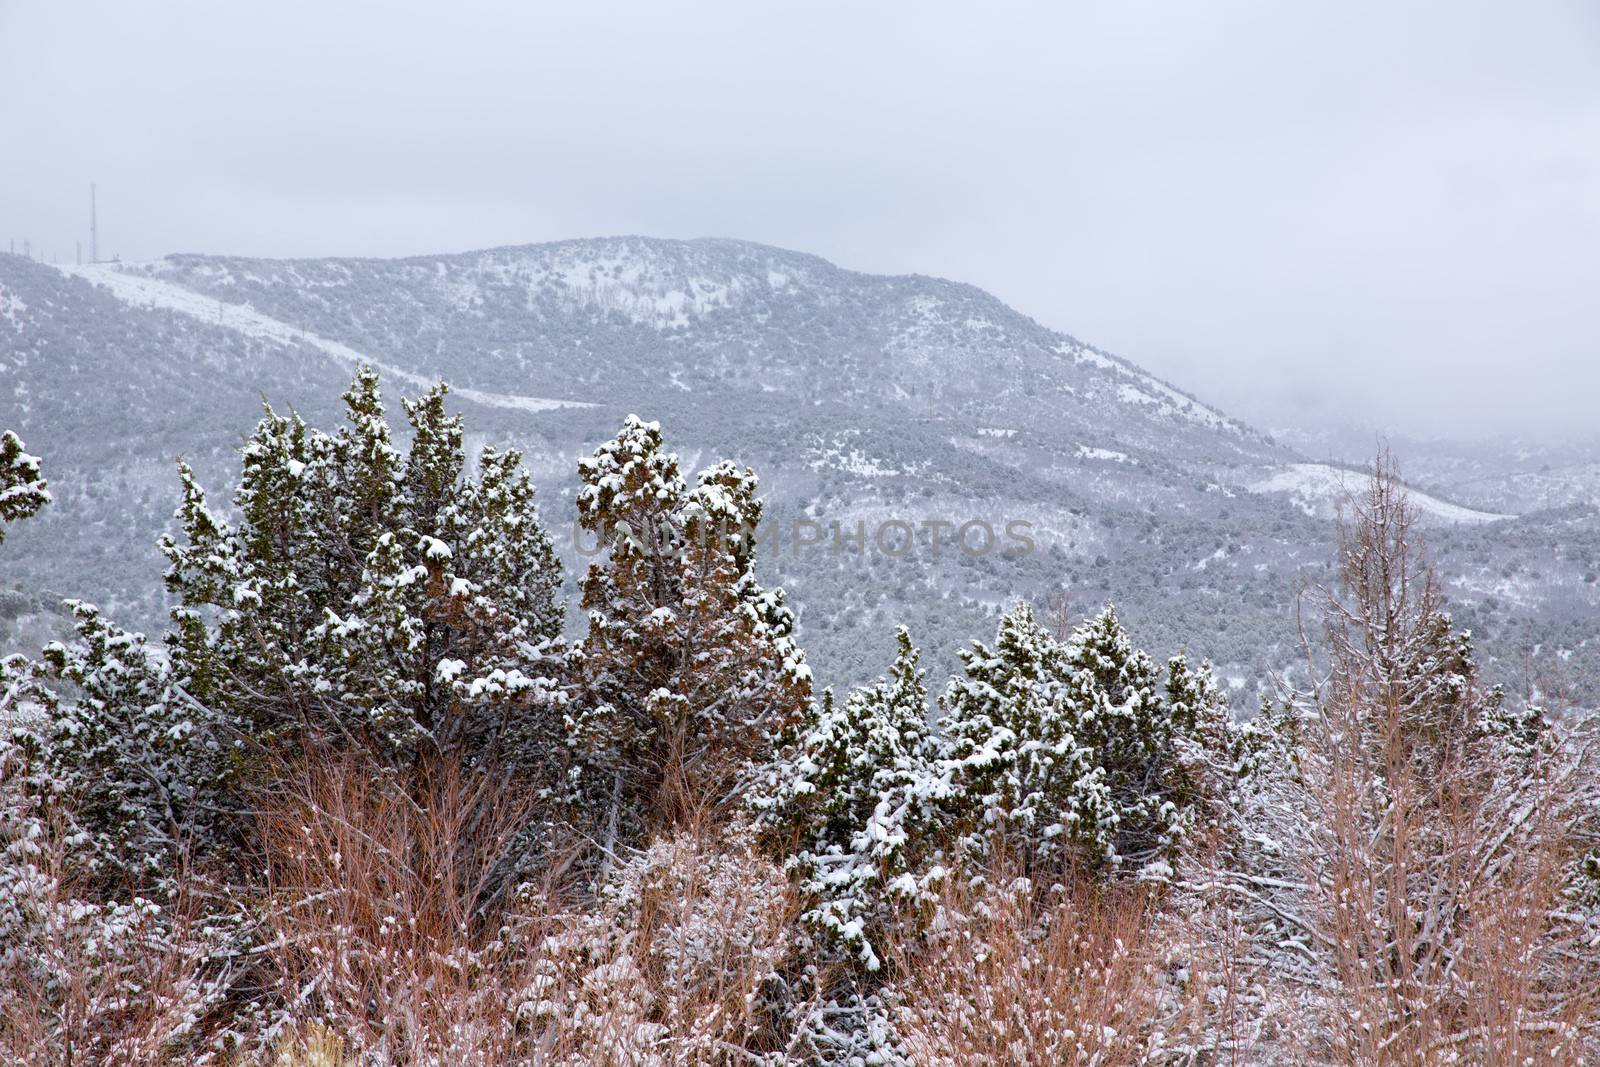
x: 1075, y: 751
x: 846, y: 802
x: 375, y: 597
x: 115, y: 737
x: 1049, y: 753
x: 689, y: 668
x: 23, y: 490
x: 1019, y: 768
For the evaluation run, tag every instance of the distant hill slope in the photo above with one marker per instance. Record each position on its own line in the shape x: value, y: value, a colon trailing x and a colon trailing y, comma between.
x: 109, y: 396
x: 618, y: 319
x: 864, y: 402
x: 1319, y: 488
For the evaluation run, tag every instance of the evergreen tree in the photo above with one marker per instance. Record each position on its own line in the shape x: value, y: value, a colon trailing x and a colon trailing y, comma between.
x: 23, y: 490
x: 1214, y: 753
x: 100, y: 733
x: 1151, y: 741
x: 1077, y: 749
x: 689, y: 668
x: 1019, y: 771
x: 371, y: 596
x: 138, y: 766
x: 849, y: 799
x: 1115, y: 709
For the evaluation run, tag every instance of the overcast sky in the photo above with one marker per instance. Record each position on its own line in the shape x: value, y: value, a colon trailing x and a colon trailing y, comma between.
x: 1380, y: 214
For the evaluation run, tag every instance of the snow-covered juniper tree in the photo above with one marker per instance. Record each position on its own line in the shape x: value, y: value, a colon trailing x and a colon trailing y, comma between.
x: 1076, y: 750
x: 689, y: 670
x: 115, y: 742
x: 1213, y: 758
x: 1150, y: 740
x: 372, y: 596
x: 851, y: 801
x: 23, y: 490
x: 1050, y: 753
x: 1018, y: 768
x: 101, y: 735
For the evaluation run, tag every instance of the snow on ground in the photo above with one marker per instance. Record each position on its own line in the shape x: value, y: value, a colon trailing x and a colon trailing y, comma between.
x: 10, y: 305
x: 1138, y: 387
x: 1107, y: 454
x: 1318, y: 487
x: 854, y: 462
x: 627, y: 280
x: 143, y: 291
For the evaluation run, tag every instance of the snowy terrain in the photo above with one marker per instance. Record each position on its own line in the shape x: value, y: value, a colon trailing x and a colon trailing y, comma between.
x: 858, y: 398
x: 145, y: 291
x: 1319, y: 488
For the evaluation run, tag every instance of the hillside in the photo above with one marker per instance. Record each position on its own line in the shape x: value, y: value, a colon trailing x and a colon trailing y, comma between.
x: 618, y: 320
x: 860, y: 399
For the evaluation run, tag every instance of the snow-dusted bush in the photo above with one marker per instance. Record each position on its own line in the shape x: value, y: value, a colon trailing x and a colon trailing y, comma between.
x: 1075, y: 751
x: 374, y: 596
x: 87, y: 977
x: 23, y: 490
x: 851, y: 799
x: 1051, y: 752
x: 1008, y: 740
x: 106, y: 731
x: 695, y: 934
x: 689, y: 668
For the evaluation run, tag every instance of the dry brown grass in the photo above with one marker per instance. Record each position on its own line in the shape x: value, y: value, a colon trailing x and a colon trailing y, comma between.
x: 1085, y: 974
x: 381, y: 949
x: 84, y: 980
x: 374, y: 917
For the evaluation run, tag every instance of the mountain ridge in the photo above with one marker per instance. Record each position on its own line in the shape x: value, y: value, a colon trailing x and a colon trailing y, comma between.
x: 664, y: 284
x: 860, y: 399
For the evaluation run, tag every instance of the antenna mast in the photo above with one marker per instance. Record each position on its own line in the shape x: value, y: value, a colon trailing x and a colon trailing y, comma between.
x: 94, y: 228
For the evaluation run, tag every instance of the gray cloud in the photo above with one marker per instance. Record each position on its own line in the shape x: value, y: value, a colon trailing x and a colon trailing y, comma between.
x: 1368, y: 213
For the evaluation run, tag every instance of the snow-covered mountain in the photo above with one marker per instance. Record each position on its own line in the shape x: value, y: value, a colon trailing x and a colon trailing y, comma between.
x: 615, y: 320
x: 866, y: 402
